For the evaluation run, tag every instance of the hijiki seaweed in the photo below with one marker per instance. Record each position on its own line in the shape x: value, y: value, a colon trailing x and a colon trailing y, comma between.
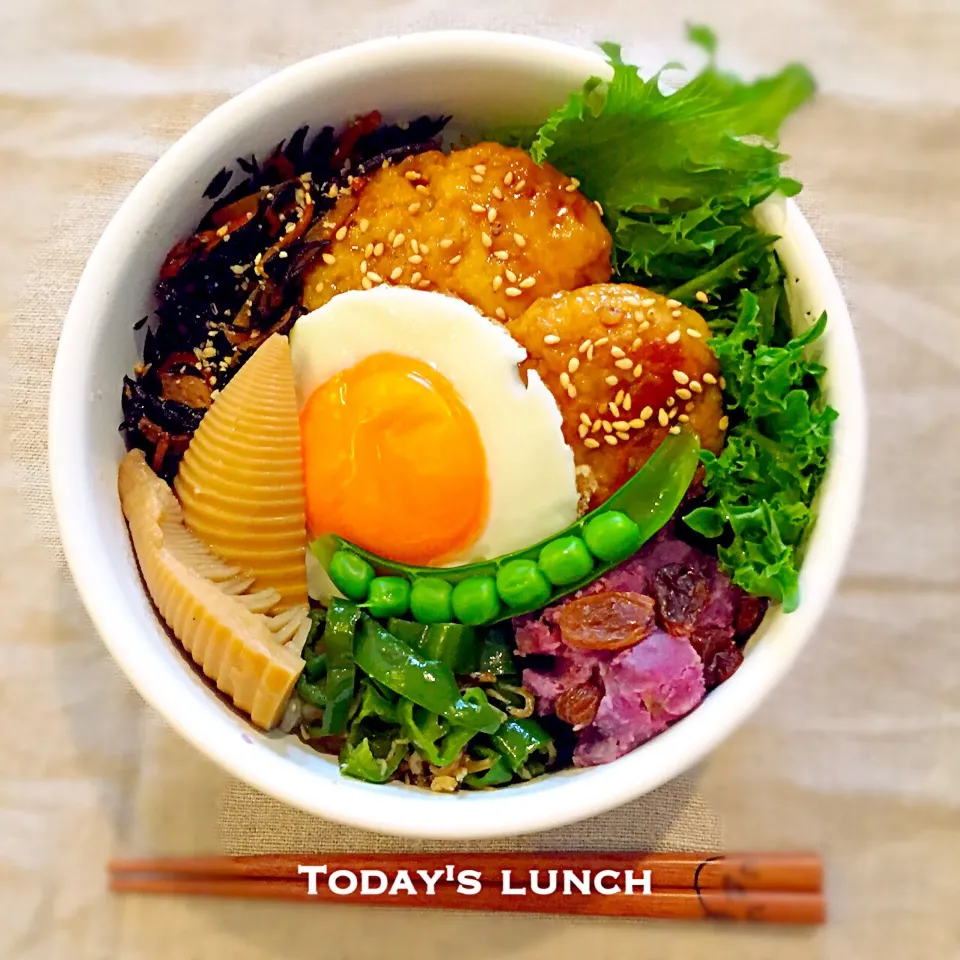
x: 239, y: 277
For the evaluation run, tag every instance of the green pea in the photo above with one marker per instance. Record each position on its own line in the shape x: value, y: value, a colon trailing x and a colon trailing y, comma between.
x: 475, y: 600
x: 521, y: 583
x: 612, y: 536
x: 565, y: 560
x: 389, y: 597
x: 430, y: 600
x: 351, y: 574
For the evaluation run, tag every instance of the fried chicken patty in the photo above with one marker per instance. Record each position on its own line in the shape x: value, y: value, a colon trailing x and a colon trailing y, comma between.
x: 625, y: 366
x: 485, y: 224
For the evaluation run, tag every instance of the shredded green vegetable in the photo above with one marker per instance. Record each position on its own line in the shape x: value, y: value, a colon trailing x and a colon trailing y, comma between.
x: 678, y: 175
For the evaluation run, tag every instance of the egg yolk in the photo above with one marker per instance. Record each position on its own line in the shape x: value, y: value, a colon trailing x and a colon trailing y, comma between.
x: 393, y: 461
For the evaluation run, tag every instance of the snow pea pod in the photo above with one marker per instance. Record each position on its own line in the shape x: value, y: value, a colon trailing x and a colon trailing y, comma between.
x: 428, y: 683
x: 436, y: 739
x: 649, y: 498
x: 361, y: 760
x: 517, y: 740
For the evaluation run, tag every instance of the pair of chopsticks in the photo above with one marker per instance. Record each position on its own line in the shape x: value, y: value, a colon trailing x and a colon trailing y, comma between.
x: 784, y: 888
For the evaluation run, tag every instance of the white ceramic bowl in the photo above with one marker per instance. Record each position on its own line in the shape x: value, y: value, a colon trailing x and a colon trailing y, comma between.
x: 482, y: 79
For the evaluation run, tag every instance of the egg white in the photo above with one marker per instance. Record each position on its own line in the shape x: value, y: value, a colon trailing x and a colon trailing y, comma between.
x: 530, y: 468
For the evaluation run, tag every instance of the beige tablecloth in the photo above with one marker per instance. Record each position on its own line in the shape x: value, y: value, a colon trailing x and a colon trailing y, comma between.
x: 855, y: 755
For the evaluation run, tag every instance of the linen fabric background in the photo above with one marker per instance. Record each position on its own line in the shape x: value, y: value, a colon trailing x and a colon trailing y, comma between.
x: 854, y: 755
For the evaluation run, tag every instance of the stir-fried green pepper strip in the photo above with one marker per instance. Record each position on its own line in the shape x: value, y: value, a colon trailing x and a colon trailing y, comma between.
x: 360, y: 762
x: 517, y: 740
x: 454, y: 644
x: 436, y: 739
x: 373, y: 704
x: 496, y: 775
x: 338, y: 643
x: 314, y: 693
x: 495, y: 654
x: 426, y: 682
x: 649, y: 498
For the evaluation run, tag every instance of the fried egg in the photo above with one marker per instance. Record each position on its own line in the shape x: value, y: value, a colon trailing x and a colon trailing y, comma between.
x: 421, y: 441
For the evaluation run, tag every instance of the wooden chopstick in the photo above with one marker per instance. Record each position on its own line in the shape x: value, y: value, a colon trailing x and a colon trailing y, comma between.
x: 789, y: 872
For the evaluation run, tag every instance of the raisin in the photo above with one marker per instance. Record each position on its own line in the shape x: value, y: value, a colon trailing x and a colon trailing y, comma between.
x: 578, y: 706
x: 750, y: 611
x: 681, y: 593
x: 722, y: 666
x: 606, y: 621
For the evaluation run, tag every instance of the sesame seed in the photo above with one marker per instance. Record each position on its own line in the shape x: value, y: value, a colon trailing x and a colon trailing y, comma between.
x: 511, y: 276
x: 363, y: 266
x: 683, y: 418
x: 623, y: 435
x: 621, y: 425
x: 648, y: 302
x: 585, y: 346
x: 364, y: 225
x: 378, y: 249
x: 414, y: 207
x: 676, y: 314
x: 455, y: 259
x: 674, y: 429
x: 513, y: 291
x: 644, y: 326
x: 614, y: 410
x: 391, y: 235
x: 637, y: 370
x: 476, y: 178
x: 602, y: 406
x: 508, y: 178
x: 571, y: 391
x: 673, y: 336
x: 623, y: 364
x: 572, y: 185
x: 701, y: 296
x: 368, y: 251
x: 423, y: 284
x: 501, y: 313
x: 673, y: 411
x: 415, y: 258
x: 688, y: 407
x: 673, y: 304
x: 619, y: 397
x: 527, y: 282
x: 491, y: 214
x: 601, y: 342
x: 683, y: 393
x: 646, y: 413
x: 637, y: 424
x: 590, y: 352
x: 424, y: 248
x: 375, y: 277
x: 366, y: 283
x: 396, y: 273
x: 724, y: 423
x: 412, y: 175
x: 414, y: 246
x: 611, y: 381
x: 695, y: 386
x: 519, y: 240
x: 497, y: 192
x: 709, y: 378
x: 564, y: 379
x: 477, y: 207
x: 583, y: 430
x: 636, y: 344
x: 627, y: 402
x: 671, y: 401
x: 609, y: 321
x: 591, y: 444
x: 585, y: 419
x: 445, y: 243
x: 662, y: 417
x: 551, y: 339
x: 480, y: 168
x: 612, y: 440
x: 723, y: 383
x: 486, y: 239
x: 501, y: 254
x: 521, y: 184
x: 597, y: 424
x: 607, y: 426
x: 617, y: 352
x: 319, y: 287
x: 632, y: 301
x: 398, y: 240
x: 497, y: 282
x: 329, y: 258
x: 596, y: 203
x: 696, y: 334
x: 415, y: 279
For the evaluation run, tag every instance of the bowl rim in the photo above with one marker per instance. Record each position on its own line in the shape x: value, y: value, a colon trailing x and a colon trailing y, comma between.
x: 576, y: 796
